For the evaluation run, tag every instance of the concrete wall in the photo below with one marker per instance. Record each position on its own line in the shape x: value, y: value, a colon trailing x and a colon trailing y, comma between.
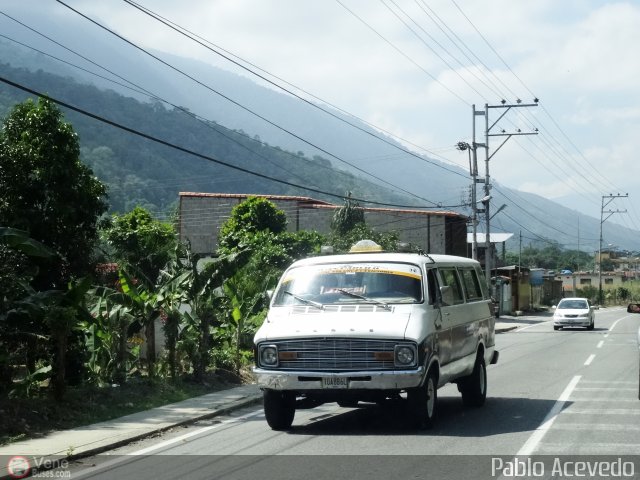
x: 201, y: 216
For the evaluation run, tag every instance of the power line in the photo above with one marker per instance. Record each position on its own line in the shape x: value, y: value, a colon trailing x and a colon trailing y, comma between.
x: 196, y: 154
x: 430, y: 75
x: 527, y: 88
x: 431, y: 48
x: 226, y: 55
x: 229, y: 99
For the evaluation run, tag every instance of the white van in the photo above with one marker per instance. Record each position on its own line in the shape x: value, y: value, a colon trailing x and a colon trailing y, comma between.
x: 367, y: 327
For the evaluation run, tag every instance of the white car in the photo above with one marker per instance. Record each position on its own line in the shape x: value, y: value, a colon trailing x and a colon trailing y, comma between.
x: 573, y: 312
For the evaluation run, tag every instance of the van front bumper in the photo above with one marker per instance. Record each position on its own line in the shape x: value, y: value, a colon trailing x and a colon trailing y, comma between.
x: 366, y: 380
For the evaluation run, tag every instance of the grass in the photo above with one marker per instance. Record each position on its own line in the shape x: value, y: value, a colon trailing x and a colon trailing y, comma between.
x: 23, y: 418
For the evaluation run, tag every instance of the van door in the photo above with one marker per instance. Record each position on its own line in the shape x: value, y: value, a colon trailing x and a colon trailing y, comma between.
x: 438, y: 326
x: 456, y: 318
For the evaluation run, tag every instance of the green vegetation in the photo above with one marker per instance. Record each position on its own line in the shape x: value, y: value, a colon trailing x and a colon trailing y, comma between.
x: 140, y: 172
x: 552, y: 257
x: 85, y: 296
x: 39, y: 413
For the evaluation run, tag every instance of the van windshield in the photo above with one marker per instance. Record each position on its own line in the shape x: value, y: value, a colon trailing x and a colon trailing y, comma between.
x: 380, y: 283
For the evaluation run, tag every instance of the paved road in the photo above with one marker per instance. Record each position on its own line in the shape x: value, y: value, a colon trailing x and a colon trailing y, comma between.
x: 570, y: 392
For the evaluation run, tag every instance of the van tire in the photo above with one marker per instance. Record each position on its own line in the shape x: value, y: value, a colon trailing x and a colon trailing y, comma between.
x: 474, y: 387
x: 423, y: 402
x: 279, y: 409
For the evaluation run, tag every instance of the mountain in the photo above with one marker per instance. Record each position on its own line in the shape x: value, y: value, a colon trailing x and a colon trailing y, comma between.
x: 334, y: 159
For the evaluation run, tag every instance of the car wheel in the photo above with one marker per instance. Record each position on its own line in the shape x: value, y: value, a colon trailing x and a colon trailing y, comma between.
x: 423, y: 402
x: 591, y: 325
x: 279, y: 409
x: 556, y: 327
x: 474, y: 387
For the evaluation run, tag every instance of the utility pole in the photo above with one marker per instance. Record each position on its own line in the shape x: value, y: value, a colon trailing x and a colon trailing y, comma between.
x: 473, y: 171
x: 610, y: 198
x: 487, y: 178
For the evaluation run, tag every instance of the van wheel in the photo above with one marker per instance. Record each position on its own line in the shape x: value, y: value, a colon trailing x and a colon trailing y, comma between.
x: 474, y: 387
x: 279, y: 409
x: 423, y: 402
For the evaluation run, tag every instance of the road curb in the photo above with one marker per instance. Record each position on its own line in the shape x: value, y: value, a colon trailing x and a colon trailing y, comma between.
x: 506, y: 329
x: 56, y: 461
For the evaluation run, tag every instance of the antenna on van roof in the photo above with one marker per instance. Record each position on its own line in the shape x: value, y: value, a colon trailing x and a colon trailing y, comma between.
x: 426, y: 254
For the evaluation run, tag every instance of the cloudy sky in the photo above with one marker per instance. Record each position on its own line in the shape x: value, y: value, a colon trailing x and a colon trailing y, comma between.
x: 416, y: 67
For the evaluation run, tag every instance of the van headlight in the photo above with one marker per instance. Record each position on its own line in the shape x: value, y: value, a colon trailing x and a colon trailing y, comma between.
x: 405, y: 355
x: 268, y: 355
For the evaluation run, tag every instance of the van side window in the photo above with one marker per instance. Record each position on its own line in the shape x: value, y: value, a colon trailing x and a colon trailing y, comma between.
x: 432, y: 286
x: 451, y: 282
x: 471, y: 284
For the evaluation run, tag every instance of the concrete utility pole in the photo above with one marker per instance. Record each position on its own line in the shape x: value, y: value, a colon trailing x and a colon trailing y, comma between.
x: 473, y: 171
x: 610, y: 198
x: 487, y: 179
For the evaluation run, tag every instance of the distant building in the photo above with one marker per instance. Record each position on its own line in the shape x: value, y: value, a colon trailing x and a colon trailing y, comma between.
x: 571, y: 282
x: 498, y: 247
x: 202, y: 214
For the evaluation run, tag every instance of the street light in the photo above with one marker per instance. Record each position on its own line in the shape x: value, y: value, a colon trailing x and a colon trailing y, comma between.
x: 502, y: 207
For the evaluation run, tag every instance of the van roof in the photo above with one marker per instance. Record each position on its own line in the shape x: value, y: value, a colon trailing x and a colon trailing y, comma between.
x: 387, y: 257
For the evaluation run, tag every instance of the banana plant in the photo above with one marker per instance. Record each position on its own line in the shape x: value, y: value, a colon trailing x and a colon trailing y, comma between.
x: 247, y: 298
x: 200, y: 284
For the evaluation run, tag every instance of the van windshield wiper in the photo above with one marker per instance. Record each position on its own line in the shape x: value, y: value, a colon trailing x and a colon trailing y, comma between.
x: 305, y: 300
x: 361, y: 297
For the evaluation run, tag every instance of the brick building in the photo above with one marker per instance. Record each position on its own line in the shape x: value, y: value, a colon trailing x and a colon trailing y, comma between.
x: 202, y: 214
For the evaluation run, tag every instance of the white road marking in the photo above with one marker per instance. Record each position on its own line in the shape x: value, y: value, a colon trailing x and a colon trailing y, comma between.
x: 521, y: 329
x: 195, y: 433
x: 600, y: 343
x: 616, y: 322
x: 536, y: 437
x: 589, y: 360
x: 129, y: 457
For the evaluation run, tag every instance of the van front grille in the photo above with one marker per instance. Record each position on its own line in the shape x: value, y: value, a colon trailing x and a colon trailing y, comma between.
x: 336, y: 354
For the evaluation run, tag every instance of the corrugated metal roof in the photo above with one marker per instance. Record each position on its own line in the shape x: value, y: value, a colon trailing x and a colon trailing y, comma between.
x: 312, y: 202
x: 246, y: 195
x: 493, y: 237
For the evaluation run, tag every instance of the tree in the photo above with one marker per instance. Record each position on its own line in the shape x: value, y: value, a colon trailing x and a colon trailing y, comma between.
x: 21, y: 309
x: 140, y: 241
x: 248, y: 218
x: 199, y: 289
x: 347, y: 217
x: 47, y: 191
x: 144, y: 246
x: 343, y: 242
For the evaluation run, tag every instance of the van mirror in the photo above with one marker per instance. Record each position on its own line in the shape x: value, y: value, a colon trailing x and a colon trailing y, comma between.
x: 633, y: 308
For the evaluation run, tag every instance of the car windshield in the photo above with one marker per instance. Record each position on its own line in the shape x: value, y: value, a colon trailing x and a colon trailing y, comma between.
x: 377, y: 283
x: 573, y: 304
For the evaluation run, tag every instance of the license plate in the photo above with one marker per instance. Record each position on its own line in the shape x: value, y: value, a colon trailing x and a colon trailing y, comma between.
x: 335, y: 382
